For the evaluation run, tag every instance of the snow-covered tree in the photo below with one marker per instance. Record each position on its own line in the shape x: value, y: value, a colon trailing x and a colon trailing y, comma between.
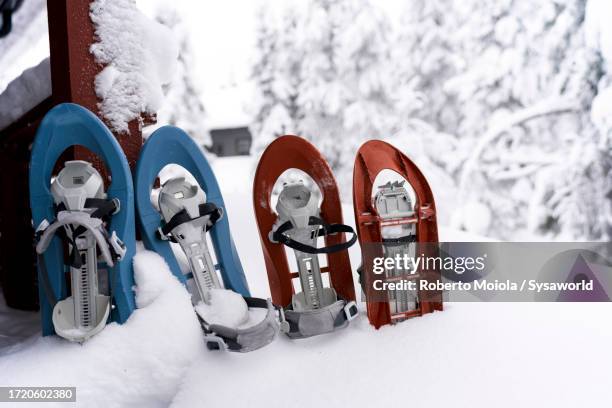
x: 533, y: 159
x: 183, y: 106
x: 323, y: 73
x: 424, y: 57
x: 502, y: 103
x: 345, y: 94
x: 276, y: 73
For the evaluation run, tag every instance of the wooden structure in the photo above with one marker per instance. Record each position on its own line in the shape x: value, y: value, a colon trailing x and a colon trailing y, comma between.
x: 73, y: 71
x: 235, y: 141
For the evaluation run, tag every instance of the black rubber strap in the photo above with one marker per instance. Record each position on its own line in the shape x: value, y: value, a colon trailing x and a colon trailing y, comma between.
x: 46, y: 283
x: 212, y: 210
x: 103, y: 209
x: 232, y: 342
x: 179, y: 218
x: 406, y: 239
x: 326, y: 229
x: 6, y: 23
x: 182, y: 217
x: 256, y: 302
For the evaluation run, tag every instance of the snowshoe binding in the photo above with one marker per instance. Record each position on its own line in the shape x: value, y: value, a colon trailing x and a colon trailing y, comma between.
x: 188, y: 212
x: 77, y: 215
x: 391, y: 225
x: 297, y: 224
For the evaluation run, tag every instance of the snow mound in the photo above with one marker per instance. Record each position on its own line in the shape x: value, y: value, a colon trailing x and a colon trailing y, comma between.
x: 139, y: 363
x: 139, y: 55
x: 25, y: 92
x: 494, y: 354
x: 226, y: 308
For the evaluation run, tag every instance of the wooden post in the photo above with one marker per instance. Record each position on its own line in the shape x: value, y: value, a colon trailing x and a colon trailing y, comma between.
x: 73, y: 70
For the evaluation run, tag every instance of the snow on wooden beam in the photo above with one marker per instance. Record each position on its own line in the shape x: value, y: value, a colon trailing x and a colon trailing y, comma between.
x: 73, y: 69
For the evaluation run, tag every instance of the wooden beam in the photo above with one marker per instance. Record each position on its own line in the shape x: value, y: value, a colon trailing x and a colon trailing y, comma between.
x: 74, y: 69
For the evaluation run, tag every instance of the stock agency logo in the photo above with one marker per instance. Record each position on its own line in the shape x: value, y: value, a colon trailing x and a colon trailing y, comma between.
x: 412, y: 264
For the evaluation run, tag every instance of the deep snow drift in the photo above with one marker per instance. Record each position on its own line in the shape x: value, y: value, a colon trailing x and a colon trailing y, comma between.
x: 138, y: 364
x: 476, y: 355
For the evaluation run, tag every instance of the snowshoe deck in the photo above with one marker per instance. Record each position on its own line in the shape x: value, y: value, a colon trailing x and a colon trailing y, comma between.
x: 68, y: 125
x: 373, y: 216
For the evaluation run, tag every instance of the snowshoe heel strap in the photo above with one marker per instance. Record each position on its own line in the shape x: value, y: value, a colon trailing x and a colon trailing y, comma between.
x: 319, y: 321
x: 279, y: 235
x: 218, y: 337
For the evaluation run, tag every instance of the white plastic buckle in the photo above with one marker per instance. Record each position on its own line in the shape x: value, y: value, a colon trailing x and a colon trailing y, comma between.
x: 284, y: 324
x: 214, y: 343
x: 350, y: 310
x: 117, y: 206
x: 161, y: 234
x: 117, y: 245
x: 44, y: 224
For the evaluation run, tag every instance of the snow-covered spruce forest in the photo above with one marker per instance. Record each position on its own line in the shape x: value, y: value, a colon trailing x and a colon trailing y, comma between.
x: 504, y: 104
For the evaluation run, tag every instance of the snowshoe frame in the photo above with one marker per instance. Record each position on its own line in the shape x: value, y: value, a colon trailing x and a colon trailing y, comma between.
x: 294, y: 152
x: 171, y: 145
x: 373, y: 157
x: 64, y: 126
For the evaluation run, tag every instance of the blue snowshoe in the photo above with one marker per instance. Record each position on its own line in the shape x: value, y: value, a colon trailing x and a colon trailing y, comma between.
x: 81, y: 229
x: 186, y: 213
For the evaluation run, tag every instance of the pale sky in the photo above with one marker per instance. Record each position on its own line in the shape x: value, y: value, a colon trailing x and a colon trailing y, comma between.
x: 223, y: 35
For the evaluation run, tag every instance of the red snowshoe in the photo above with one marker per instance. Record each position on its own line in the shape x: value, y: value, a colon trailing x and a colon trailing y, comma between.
x: 390, y: 225
x: 297, y: 223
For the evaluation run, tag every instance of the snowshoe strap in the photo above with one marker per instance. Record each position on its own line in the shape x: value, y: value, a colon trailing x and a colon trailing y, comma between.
x: 46, y: 283
x: 112, y: 249
x: 79, y: 219
x: 103, y: 209
x: 206, y: 209
x: 406, y: 239
x: 309, y: 323
x: 279, y: 235
x: 219, y: 337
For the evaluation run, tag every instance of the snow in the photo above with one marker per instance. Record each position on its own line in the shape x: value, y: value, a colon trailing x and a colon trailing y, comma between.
x: 472, y: 354
x: 139, y: 56
x: 598, y: 35
x: 138, y: 363
x: 31, y: 88
x: 601, y: 110
x: 226, y: 308
x: 227, y: 108
x: 598, y: 30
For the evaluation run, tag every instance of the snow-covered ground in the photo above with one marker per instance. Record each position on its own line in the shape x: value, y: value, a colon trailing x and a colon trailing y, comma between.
x: 472, y: 354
